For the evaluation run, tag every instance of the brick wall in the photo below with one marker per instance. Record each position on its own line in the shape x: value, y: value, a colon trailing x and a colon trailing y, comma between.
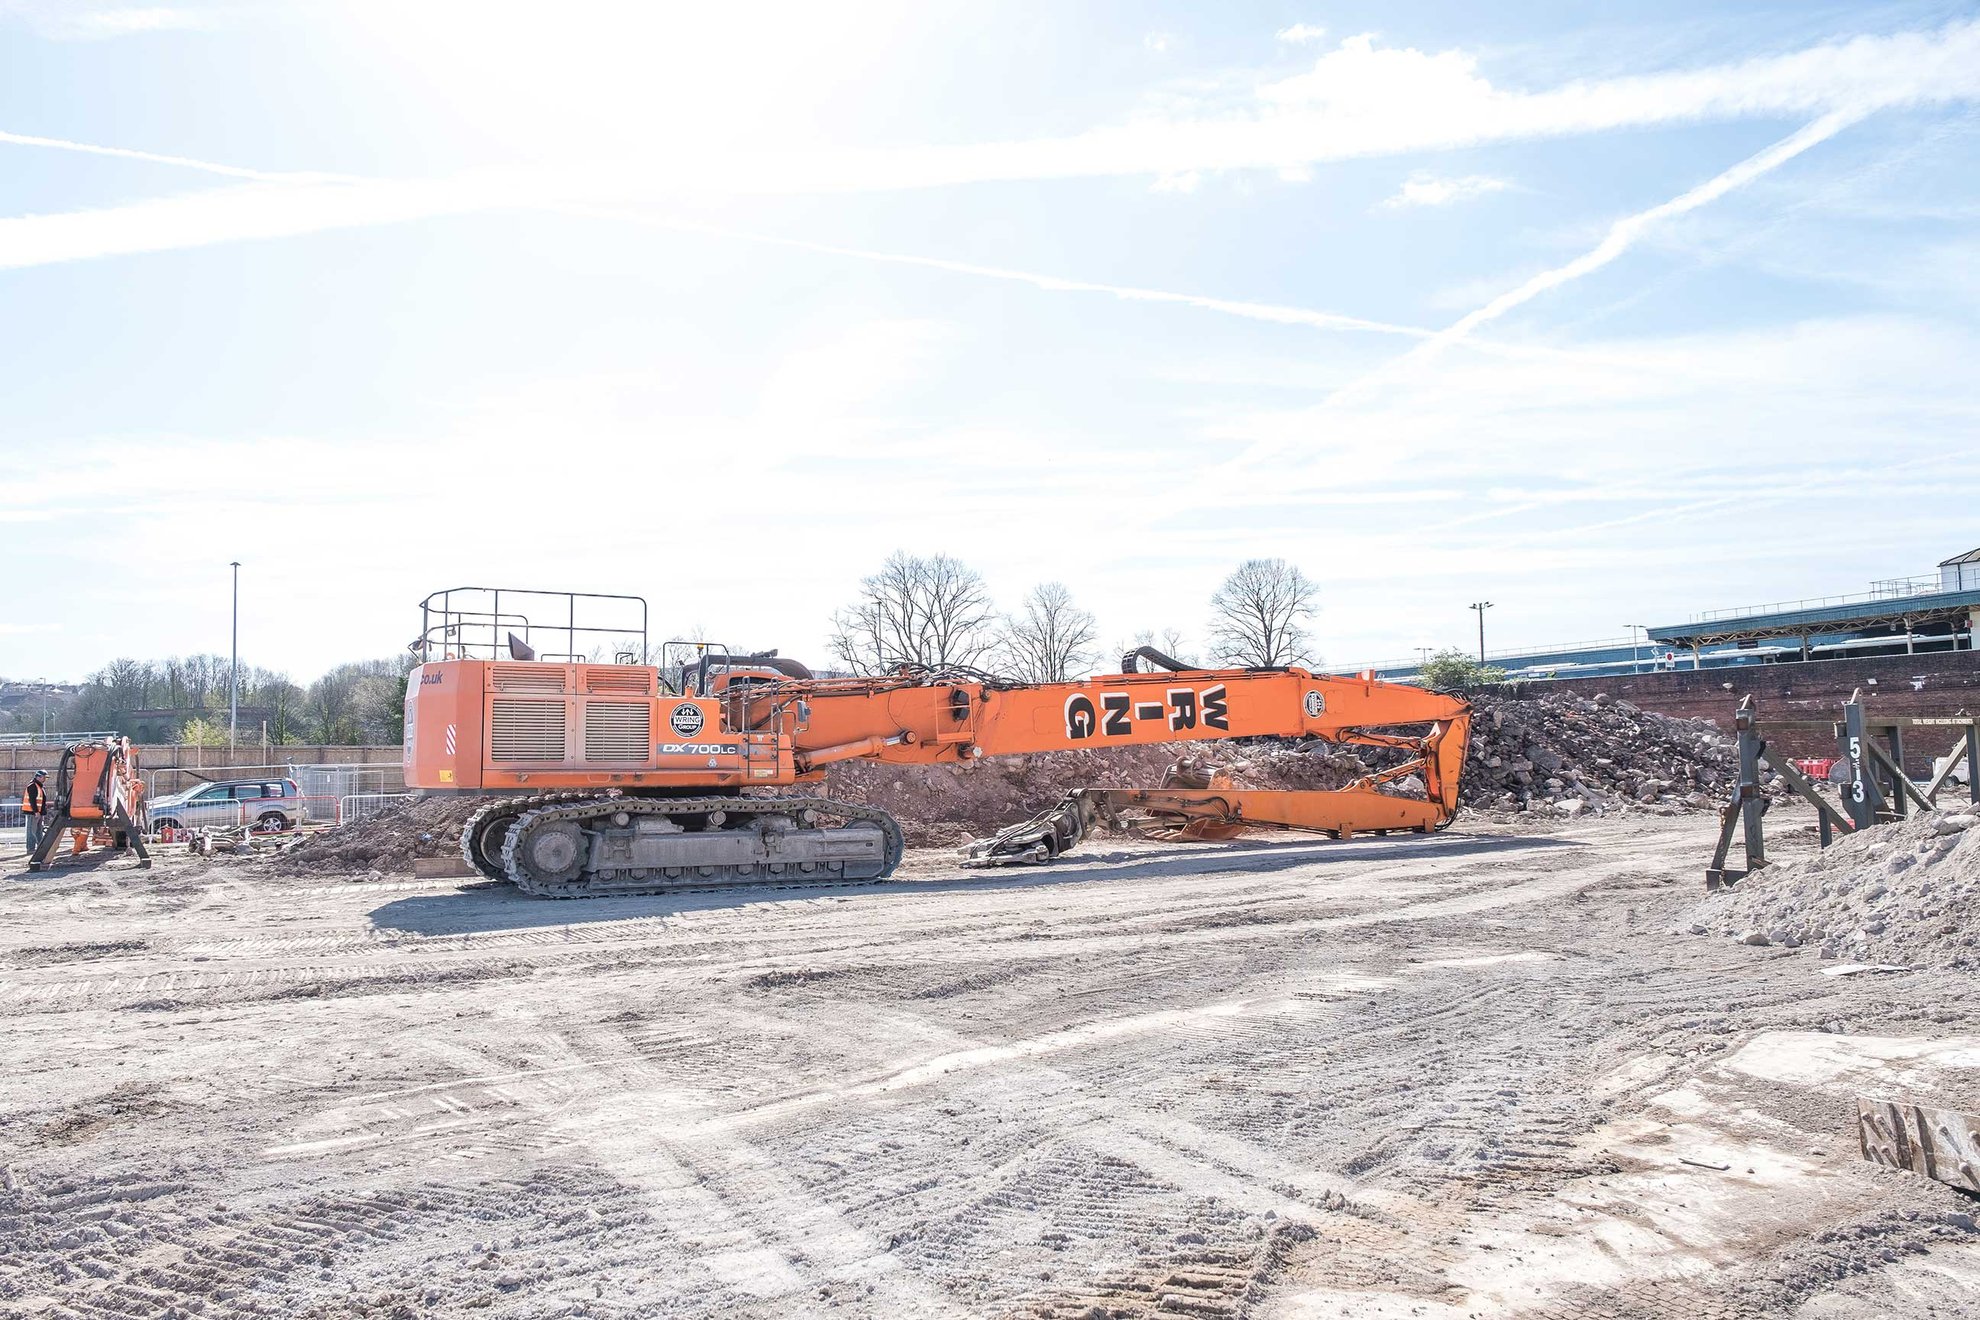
x: 1942, y: 683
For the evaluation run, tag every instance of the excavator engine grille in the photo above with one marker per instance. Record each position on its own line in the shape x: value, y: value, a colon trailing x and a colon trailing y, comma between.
x: 529, y: 678
x: 618, y: 731
x: 628, y: 679
x: 527, y: 731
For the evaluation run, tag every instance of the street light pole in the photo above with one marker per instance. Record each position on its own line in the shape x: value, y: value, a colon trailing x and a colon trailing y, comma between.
x: 1481, y: 606
x: 234, y: 679
x: 1635, y: 651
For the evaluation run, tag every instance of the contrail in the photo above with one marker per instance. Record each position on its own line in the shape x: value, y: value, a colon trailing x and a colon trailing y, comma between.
x: 1624, y: 234
x: 1256, y: 311
x: 1275, y: 312
x: 185, y: 162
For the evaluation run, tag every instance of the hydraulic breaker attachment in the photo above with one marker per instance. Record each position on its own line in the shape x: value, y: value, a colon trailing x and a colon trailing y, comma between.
x: 1042, y: 838
x: 1206, y: 814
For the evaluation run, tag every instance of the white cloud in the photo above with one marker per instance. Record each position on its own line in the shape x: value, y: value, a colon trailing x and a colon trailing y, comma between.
x: 184, y: 162
x: 1426, y: 189
x: 1363, y: 100
x: 251, y: 211
x: 122, y: 22
x: 81, y: 20
x: 1186, y: 182
x: 1300, y: 34
x: 1160, y: 43
x: 1358, y: 100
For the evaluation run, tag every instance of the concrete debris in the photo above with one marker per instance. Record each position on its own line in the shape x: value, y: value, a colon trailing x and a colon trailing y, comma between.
x: 1906, y: 893
x: 1564, y: 755
x: 948, y: 805
x: 1597, y: 754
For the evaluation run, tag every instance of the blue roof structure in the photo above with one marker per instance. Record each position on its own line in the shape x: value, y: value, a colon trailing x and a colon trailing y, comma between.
x: 1905, y: 610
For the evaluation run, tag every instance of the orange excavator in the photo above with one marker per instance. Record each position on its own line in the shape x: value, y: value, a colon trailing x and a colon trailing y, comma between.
x: 628, y: 777
x: 98, y: 796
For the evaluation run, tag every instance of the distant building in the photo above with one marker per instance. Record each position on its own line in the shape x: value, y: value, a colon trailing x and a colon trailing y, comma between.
x: 1900, y: 616
x: 1961, y: 572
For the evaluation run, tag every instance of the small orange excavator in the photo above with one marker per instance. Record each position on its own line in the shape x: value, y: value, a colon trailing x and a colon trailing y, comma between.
x: 631, y: 778
x: 99, y: 796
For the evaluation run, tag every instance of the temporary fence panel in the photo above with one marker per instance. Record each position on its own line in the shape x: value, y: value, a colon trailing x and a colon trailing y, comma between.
x: 357, y: 806
x: 324, y: 787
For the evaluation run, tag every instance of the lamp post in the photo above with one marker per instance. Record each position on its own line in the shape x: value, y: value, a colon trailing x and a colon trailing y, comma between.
x: 1481, y: 606
x: 1635, y: 655
x: 234, y: 677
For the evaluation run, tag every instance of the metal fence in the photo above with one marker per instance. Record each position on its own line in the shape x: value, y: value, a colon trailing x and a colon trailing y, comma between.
x: 325, y: 788
x: 358, y: 806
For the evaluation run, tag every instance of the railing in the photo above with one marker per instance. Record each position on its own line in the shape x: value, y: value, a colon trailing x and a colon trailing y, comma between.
x: 1888, y: 589
x: 53, y: 739
x: 1509, y: 653
x: 462, y: 623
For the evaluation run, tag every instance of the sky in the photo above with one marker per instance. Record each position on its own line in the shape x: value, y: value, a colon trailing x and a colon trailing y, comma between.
x: 1607, y: 315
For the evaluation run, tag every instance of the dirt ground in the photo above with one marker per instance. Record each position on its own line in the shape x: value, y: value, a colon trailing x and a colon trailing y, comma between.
x: 1477, y: 1074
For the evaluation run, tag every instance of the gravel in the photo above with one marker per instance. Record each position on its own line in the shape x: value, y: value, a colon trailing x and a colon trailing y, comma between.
x: 1904, y: 893
x: 1460, y: 1076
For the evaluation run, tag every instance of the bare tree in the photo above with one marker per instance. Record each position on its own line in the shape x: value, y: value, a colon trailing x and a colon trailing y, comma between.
x: 1049, y: 639
x: 284, y: 702
x: 915, y: 611
x: 1258, y: 616
x: 360, y: 702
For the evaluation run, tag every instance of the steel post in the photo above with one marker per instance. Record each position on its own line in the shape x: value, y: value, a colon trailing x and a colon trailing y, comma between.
x: 1860, y: 796
x: 1751, y: 801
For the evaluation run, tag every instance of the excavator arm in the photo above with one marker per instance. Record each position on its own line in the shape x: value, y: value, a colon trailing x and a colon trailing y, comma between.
x: 920, y: 720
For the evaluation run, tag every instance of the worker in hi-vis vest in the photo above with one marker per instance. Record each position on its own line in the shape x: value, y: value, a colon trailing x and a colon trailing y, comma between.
x: 34, y: 807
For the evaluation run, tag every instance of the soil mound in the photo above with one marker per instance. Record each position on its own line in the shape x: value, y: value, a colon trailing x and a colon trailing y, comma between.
x: 388, y: 841
x: 1905, y: 893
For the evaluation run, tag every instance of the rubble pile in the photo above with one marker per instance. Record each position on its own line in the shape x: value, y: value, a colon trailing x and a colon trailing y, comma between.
x: 948, y: 805
x: 388, y: 841
x: 1559, y: 753
x: 1906, y: 893
x: 1594, y: 754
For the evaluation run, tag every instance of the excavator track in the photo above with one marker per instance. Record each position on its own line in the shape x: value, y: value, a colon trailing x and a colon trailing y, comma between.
x: 601, y: 845
x: 483, y: 832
